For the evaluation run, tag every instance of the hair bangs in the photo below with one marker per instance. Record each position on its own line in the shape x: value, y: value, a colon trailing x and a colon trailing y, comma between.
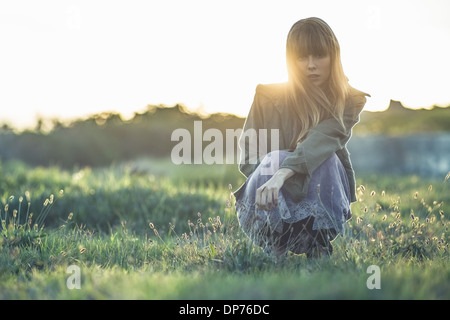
x: 310, y: 39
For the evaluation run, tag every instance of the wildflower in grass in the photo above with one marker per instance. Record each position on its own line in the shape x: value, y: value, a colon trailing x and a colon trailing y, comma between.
x: 384, y: 217
x: 70, y: 216
x: 82, y: 250
x: 447, y: 176
x: 30, y: 219
x: 412, y: 214
x: 416, y: 194
x: 362, y: 187
x: 151, y: 225
x: 372, y: 193
x: 383, y: 193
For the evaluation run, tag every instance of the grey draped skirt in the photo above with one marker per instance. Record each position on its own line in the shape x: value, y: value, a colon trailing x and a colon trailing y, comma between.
x: 297, y: 226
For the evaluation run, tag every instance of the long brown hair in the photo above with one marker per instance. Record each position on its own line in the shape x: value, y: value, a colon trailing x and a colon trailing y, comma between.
x: 311, y: 104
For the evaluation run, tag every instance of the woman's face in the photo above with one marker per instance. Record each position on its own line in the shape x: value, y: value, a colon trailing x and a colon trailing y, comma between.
x: 315, y: 68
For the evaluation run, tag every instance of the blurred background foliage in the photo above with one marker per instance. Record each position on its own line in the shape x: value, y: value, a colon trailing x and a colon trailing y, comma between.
x: 106, y: 138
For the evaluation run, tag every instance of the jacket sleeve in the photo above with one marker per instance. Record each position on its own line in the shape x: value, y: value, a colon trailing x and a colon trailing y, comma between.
x: 248, y: 145
x: 323, y: 140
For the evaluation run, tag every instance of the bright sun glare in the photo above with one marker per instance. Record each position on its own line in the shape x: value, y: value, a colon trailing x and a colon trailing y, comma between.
x: 66, y: 60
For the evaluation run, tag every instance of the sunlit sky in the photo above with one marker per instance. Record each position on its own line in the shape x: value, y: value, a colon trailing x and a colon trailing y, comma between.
x: 70, y: 59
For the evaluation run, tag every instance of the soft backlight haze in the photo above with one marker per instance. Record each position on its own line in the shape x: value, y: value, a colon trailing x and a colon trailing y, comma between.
x: 69, y: 59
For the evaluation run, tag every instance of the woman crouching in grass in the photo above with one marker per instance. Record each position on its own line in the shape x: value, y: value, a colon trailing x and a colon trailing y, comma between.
x: 297, y: 198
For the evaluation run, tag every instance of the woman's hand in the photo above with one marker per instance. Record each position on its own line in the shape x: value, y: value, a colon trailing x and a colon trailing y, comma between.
x: 267, y: 194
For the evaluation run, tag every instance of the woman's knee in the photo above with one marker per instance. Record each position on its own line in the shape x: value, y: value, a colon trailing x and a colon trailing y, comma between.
x: 272, y: 161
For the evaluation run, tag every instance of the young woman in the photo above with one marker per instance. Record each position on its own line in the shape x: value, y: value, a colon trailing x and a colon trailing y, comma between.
x: 297, y: 197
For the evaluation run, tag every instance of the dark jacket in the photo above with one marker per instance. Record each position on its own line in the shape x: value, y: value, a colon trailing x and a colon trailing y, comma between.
x: 269, y: 111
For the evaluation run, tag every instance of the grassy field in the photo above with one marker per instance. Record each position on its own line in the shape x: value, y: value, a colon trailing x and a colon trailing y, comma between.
x: 147, y: 229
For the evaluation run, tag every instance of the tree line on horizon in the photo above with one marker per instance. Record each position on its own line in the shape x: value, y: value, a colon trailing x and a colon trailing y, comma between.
x: 106, y: 138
